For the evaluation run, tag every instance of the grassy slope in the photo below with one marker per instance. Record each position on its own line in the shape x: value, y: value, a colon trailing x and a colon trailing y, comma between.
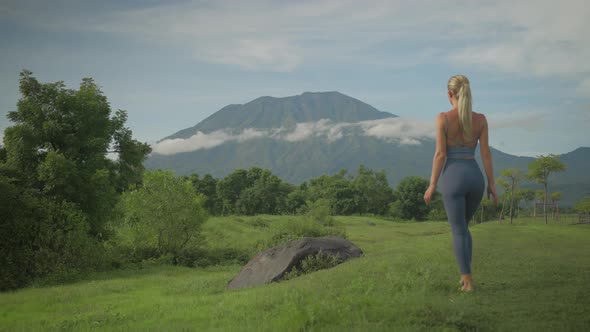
x: 529, y: 277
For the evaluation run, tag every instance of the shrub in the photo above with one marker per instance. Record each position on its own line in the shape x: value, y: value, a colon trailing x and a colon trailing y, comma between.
x: 297, y: 228
x: 40, y: 238
x: 313, y: 263
x: 163, y: 216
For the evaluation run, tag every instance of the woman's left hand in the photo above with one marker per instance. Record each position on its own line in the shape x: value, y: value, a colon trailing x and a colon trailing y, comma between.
x: 428, y: 194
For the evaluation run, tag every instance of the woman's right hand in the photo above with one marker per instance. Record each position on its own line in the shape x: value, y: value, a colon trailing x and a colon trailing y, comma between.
x: 492, y: 191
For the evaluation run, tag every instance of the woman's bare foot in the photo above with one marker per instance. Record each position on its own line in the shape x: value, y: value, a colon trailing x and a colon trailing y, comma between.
x: 466, y: 283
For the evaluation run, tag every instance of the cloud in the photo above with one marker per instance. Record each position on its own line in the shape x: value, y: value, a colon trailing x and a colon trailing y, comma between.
x: 525, y: 120
x: 203, y: 141
x: 583, y: 88
x: 534, y: 37
x: 399, y: 131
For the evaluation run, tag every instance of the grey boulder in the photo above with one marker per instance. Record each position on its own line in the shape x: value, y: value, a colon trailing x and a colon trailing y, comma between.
x: 272, y: 264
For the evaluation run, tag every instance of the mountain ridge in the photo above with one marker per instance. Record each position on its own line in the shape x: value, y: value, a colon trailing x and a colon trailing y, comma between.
x: 299, y: 160
x: 275, y: 112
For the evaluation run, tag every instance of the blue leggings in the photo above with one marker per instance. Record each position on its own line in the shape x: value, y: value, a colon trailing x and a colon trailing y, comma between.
x: 462, y: 190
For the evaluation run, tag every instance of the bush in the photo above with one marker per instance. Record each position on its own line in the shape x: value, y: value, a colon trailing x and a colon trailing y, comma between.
x: 297, y: 228
x: 313, y: 263
x: 42, y: 239
x: 319, y: 211
x: 161, y: 217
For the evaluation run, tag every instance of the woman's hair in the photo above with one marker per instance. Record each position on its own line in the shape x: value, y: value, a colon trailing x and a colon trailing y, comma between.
x: 459, y: 86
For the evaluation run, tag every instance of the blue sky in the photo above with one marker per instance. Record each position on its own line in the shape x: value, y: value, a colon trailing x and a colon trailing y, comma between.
x: 172, y: 64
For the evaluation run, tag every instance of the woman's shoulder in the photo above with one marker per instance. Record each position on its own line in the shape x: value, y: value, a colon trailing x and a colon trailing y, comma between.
x: 478, y: 115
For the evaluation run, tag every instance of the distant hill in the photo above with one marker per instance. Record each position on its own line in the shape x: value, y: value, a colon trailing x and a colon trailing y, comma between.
x: 271, y: 112
x: 300, y: 159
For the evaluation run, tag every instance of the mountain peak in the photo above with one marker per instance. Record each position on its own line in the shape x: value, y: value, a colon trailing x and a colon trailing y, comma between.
x: 276, y: 112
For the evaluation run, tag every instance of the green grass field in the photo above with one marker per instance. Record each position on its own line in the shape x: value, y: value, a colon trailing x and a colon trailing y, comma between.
x: 528, y: 276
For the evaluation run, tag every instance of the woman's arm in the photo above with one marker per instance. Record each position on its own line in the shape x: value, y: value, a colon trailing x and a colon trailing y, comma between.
x: 486, y: 157
x: 439, y: 156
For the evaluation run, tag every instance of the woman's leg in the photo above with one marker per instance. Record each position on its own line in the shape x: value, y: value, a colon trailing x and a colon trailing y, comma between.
x: 472, y: 202
x: 455, y: 207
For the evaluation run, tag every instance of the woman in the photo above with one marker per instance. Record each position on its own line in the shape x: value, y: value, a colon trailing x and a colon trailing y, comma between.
x: 457, y: 134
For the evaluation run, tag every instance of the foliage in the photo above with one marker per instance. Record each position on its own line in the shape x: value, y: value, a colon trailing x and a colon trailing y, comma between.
x: 583, y: 205
x: 556, y: 196
x: 297, y: 228
x: 295, y: 203
x: 59, y: 142
x: 375, y: 194
x: 252, y: 191
x: 338, y: 190
x: 162, y: 216
x: 409, y: 202
x: 313, y: 263
x: 207, y: 187
x: 42, y: 238
x: 319, y: 211
x: 539, y: 171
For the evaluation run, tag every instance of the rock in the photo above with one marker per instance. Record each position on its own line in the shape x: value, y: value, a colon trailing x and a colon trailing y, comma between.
x: 272, y: 264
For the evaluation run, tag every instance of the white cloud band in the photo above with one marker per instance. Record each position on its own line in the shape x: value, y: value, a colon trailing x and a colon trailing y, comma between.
x: 396, y: 130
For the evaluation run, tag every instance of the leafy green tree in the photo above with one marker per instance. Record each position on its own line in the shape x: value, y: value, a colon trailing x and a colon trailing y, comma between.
x: 338, y: 190
x: 164, y: 213
x: 207, y: 186
x: 512, y: 177
x: 59, y: 144
x: 296, y: 200
x: 375, y: 192
x: 230, y: 188
x: 539, y: 171
x: 409, y: 195
x: 40, y: 237
x: 252, y: 191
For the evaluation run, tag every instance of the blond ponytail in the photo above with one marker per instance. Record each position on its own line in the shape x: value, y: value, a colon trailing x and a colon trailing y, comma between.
x: 459, y: 86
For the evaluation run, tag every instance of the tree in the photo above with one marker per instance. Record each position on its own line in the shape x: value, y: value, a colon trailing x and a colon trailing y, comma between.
x: 539, y: 171
x: 230, y: 188
x: 40, y: 237
x: 409, y: 195
x: 344, y: 198
x: 513, y: 177
x: 59, y: 144
x: 539, y: 194
x: 375, y: 192
x: 583, y: 205
x: 506, y: 193
x: 527, y: 195
x: 296, y: 200
x: 555, y: 198
x: 207, y: 186
x: 163, y: 213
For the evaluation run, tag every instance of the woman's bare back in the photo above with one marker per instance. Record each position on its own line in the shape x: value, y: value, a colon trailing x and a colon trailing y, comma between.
x: 455, y: 131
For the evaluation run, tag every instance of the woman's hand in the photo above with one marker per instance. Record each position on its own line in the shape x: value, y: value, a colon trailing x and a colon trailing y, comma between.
x: 428, y: 194
x: 492, y: 191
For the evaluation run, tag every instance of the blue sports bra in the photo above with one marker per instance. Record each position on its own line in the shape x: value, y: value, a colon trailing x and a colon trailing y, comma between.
x: 460, y: 150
